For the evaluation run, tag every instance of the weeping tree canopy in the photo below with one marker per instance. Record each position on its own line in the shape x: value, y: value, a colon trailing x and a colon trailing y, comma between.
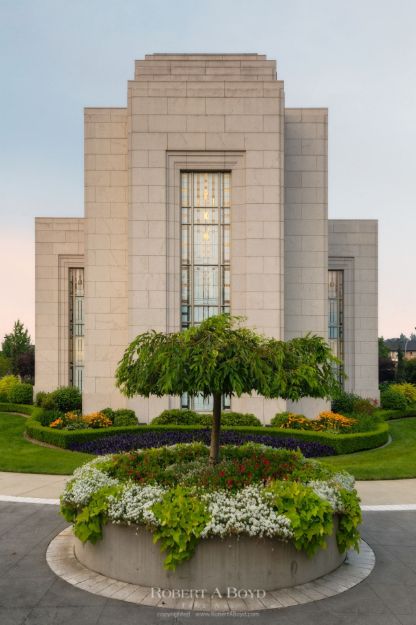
x: 221, y: 357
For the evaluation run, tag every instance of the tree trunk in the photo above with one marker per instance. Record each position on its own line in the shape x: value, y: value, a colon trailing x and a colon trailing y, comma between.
x: 215, y: 431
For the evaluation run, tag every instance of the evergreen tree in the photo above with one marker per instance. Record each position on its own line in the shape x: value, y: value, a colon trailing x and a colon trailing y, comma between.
x: 15, y: 344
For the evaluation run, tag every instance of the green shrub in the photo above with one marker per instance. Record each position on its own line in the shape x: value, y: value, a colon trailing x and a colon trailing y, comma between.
x: 184, y: 416
x: 20, y: 394
x: 392, y: 400
x: 123, y: 417
x: 176, y: 416
x: 66, y: 398
x: 298, y: 421
x: 237, y: 419
x: 108, y: 412
x: 363, y: 406
x: 6, y: 384
x: 46, y: 417
x: 406, y: 390
x: 310, y: 516
x: 47, y: 402
x: 365, y: 422
x: 350, y: 403
x: 344, y: 402
x: 40, y: 396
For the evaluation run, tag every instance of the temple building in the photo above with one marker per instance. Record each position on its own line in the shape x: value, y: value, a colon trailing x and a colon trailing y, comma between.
x: 204, y: 194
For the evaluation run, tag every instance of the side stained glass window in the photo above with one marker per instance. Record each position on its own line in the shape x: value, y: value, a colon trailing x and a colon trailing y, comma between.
x: 76, y: 327
x: 336, y: 312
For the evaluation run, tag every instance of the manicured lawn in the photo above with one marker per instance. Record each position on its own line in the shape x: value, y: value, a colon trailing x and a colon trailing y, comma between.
x: 19, y: 455
x: 397, y: 460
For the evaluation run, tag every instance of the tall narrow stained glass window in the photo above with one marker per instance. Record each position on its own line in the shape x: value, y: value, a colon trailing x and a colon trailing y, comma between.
x: 205, y: 252
x: 336, y: 312
x: 76, y: 326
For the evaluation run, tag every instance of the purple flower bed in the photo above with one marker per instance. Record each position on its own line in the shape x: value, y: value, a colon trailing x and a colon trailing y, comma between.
x: 144, y: 440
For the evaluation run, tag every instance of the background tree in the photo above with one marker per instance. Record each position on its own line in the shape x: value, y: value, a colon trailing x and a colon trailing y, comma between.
x: 26, y: 365
x: 383, y: 350
x: 386, y: 367
x: 410, y: 370
x: 15, y: 344
x: 401, y: 364
x: 386, y: 370
x: 5, y: 365
x: 220, y: 357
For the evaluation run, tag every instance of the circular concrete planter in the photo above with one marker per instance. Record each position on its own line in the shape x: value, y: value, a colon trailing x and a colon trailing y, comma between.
x: 127, y: 553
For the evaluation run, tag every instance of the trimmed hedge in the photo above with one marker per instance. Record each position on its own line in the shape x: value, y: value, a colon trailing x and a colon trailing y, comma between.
x: 22, y: 408
x: 66, y: 438
x: 396, y: 414
x: 341, y: 443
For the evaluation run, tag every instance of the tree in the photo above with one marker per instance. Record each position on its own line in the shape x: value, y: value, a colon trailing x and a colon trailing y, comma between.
x: 220, y: 357
x: 386, y: 370
x: 26, y: 365
x: 410, y: 370
x: 5, y: 365
x: 401, y: 364
x: 16, y: 343
x: 383, y: 350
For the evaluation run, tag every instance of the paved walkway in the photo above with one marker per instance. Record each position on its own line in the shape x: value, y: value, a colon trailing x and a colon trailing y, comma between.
x: 383, y: 492
x: 31, y: 594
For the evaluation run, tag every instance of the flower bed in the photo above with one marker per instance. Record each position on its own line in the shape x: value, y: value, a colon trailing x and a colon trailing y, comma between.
x: 157, y: 435
x: 147, y: 439
x: 173, y: 493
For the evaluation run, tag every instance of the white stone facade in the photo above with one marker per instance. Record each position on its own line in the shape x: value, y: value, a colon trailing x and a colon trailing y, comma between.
x: 202, y: 113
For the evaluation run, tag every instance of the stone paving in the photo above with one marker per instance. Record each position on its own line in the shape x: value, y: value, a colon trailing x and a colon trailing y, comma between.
x: 31, y: 594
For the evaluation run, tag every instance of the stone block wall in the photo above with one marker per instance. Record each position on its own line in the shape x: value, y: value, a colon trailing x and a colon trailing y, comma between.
x: 106, y: 275
x: 205, y: 104
x: 59, y: 245
x: 353, y: 247
x: 306, y: 231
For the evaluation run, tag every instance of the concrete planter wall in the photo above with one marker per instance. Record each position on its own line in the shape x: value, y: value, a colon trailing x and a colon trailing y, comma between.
x: 127, y: 553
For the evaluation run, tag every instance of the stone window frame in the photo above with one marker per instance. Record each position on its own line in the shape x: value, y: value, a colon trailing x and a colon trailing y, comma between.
x: 184, y: 160
x: 346, y: 264
x: 65, y: 263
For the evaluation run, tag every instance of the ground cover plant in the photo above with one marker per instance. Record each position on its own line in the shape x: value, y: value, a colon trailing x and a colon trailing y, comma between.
x: 154, y: 438
x: 178, y: 496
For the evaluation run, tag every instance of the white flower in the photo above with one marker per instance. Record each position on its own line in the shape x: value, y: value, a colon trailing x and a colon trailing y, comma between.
x: 134, y: 504
x: 86, y: 481
x: 343, y: 480
x: 244, y: 512
x: 326, y: 491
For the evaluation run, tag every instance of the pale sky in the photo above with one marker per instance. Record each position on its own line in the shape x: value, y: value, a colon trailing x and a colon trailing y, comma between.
x: 358, y: 58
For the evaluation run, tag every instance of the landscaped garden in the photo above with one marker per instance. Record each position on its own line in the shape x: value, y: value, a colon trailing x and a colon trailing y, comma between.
x: 177, y: 495
x: 349, y: 436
